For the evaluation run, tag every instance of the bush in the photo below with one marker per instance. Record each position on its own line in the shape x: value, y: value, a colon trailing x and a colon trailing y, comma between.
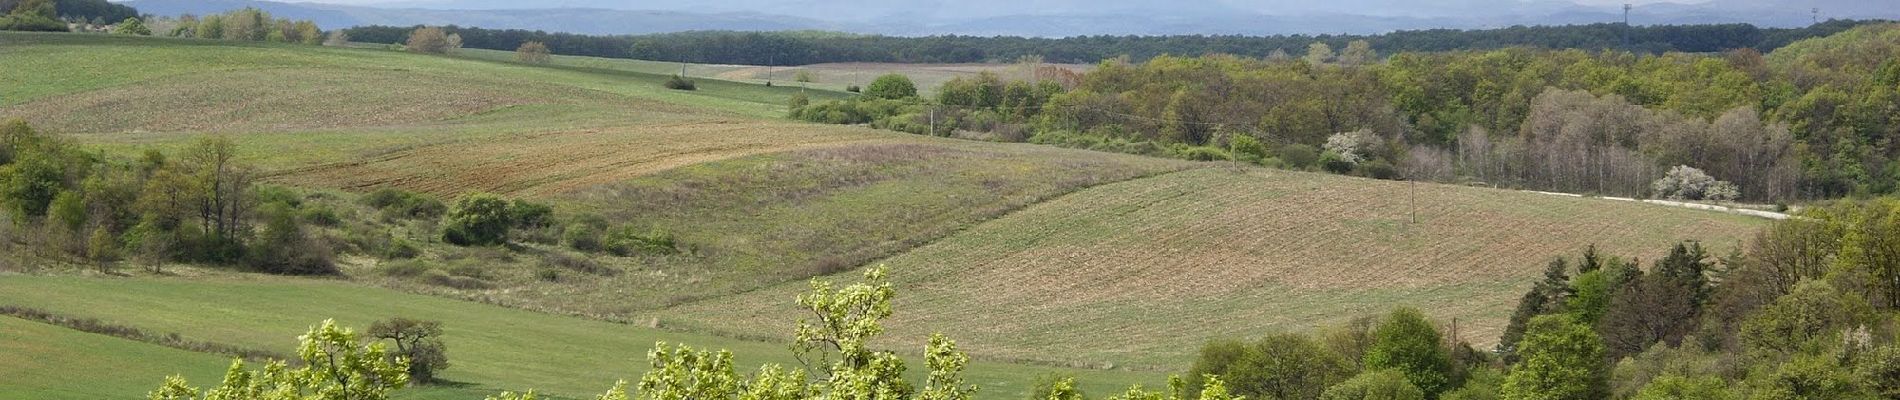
x: 530, y: 215
x: 582, y: 236
x: 533, y: 53
x: 1688, y: 183
x: 1332, y: 162
x: 891, y: 87
x: 321, y: 215
x: 429, y: 40
x: 480, y: 219
x: 853, y: 89
x: 1375, y: 385
x: 398, y: 203
x: 132, y: 26
x: 283, y: 247
x: 403, y: 269
x: 677, y: 82
x: 627, y: 241
x: 1378, y: 169
x: 1299, y: 156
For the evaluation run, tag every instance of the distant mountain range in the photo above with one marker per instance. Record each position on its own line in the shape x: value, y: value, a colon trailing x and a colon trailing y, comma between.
x: 1046, y: 18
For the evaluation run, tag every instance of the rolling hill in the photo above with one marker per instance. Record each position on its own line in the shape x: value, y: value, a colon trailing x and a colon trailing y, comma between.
x: 1117, y: 266
x: 1162, y: 264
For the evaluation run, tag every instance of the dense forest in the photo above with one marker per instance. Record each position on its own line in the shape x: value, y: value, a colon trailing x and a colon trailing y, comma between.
x: 800, y: 48
x: 99, y: 11
x: 1817, y: 118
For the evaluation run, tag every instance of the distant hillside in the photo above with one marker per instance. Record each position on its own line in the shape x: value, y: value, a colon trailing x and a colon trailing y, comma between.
x: 575, y: 20
x: 1038, y: 19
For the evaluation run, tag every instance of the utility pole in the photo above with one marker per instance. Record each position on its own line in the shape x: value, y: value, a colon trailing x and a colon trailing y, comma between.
x: 933, y: 120
x: 1816, y: 15
x: 770, y: 60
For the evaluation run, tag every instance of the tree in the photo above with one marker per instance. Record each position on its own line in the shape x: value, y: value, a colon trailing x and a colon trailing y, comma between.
x: 892, y: 87
x: 1687, y: 183
x: 1381, y: 384
x: 479, y: 219
x: 308, y: 33
x: 1674, y: 387
x: 1813, y: 311
x: 418, y: 341
x: 1545, y: 297
x: 1661, y: 306
x: 1562, y: 360
x: 1358, y: 52
x: 532, y: 53
x: 284, y: 248
x: 1318, y: 53
x: 1409, y: 344
x: 132, y: 26
x: 430, y: 40
x: 1282, y: 366
x: 335, y: 366
x: 454, y: 42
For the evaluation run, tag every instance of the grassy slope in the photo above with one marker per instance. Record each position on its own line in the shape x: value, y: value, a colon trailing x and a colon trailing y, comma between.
x: 43, y: 361
x: 490, y: 347
x: 1161, y: 264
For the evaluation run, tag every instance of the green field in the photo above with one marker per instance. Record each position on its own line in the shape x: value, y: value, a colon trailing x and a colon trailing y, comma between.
x: 492, y: 348
x: 1162, y: 264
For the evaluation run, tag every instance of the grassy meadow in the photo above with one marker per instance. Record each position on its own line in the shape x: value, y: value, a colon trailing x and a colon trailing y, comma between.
x: 491, y: 348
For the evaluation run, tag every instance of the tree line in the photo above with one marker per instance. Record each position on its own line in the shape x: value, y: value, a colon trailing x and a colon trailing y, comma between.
x: 809, y: 47
x: 1811, y: 120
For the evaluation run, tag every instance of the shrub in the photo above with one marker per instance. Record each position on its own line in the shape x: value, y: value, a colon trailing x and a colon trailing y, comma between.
x: 533, y: 53
x: 891, y: 87
x: 853, y: 89
x: 677, y: 82
x: 1688, y: 183
x: 321, y: 215
x: 132, y: 26
x: 403, y: 269
x: 401, y: 249
x: 530, y: 215
x: 398, y: 203
x: 429, y: 40
x: 627, y: 241
x: 438, y: 278
x: 1332, y: 162
x: 1248, y: 145
x: 1382, y: 384
x: 480, y: 219
x: 582, y: 236
x: 548, y: 275
x: 804, y: 76
x: 283, y: 247
x: 1378, y: 168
